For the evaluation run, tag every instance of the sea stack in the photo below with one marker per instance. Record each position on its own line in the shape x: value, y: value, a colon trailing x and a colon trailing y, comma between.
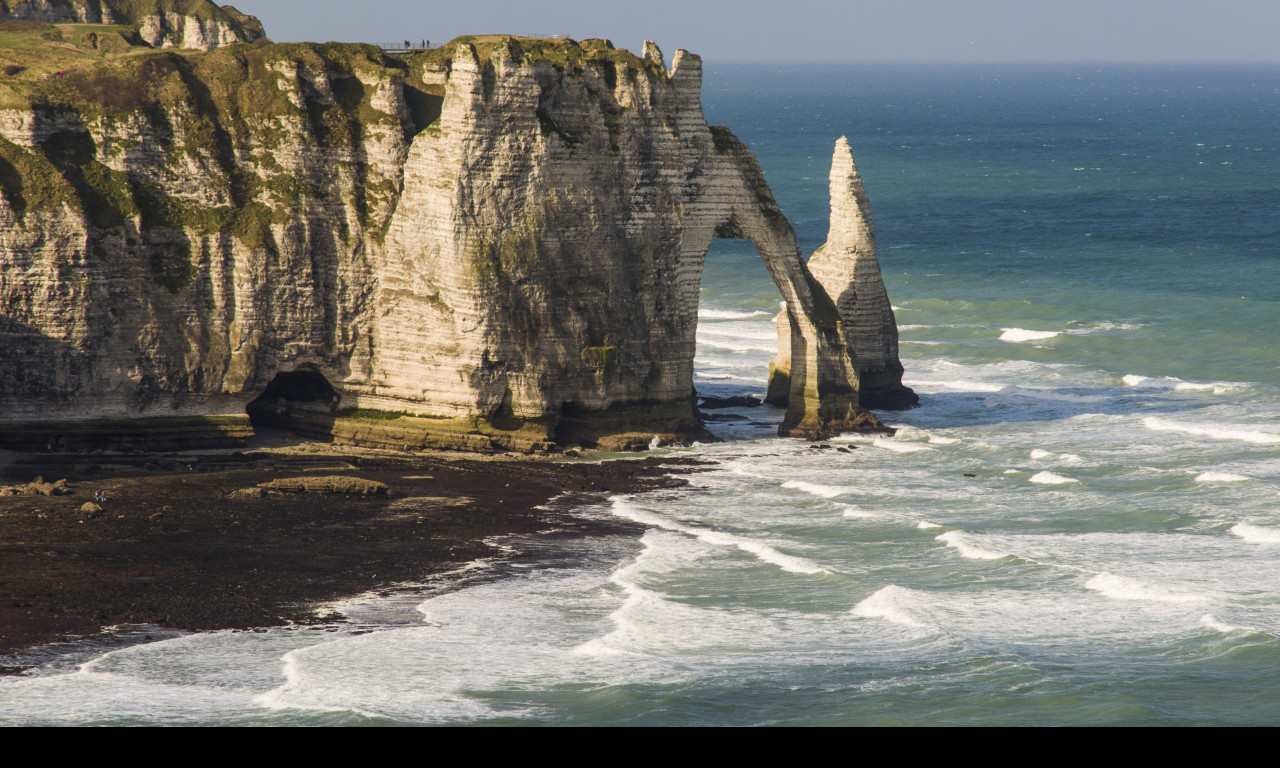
x: 847, y: 268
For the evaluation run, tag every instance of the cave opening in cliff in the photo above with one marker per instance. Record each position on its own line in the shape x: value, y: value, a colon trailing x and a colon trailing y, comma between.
x: 737, y: 336
x: 293, y: 395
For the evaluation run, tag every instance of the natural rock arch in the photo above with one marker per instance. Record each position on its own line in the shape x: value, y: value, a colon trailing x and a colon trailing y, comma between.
x: 737, y: 203
x: 531, y: 257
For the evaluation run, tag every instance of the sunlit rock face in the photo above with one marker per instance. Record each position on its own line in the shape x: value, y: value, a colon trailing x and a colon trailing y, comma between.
x: 847, y: 267
x: 195, y: 24
x: 848, y: 270
x: 500, y: 238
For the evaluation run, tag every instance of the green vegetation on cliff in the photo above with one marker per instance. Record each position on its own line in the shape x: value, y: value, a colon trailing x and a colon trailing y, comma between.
x: 230, y: 111
x: 562, y: 53
x: 235, y: 114
x: 129, y: 12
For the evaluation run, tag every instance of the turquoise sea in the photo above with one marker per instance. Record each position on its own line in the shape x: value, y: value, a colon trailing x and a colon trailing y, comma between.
x: 1080, y: 524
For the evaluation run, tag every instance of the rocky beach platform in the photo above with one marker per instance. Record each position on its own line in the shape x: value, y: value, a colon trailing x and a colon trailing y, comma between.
x: 225, y: 540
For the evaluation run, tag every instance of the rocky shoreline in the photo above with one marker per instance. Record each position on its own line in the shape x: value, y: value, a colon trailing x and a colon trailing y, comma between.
x: 225, y: 540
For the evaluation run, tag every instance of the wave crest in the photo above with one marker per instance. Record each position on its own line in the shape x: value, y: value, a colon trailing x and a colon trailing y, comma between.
x: 966, y: 544
x: 1256, y: 534
x: 1217, y: 432
x: 1121, y: 588
x: 1049, y: 478
x: 1022, y: 334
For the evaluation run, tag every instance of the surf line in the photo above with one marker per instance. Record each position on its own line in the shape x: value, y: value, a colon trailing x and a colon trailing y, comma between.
x: 623, y: 507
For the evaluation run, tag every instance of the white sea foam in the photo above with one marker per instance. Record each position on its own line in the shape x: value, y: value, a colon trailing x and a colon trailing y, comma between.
x: 852, y: 511
x: 943, y: 440
x: 1022, y: 334
x: 925, y: 525
x: 729, y: 343
x: 968, y: 546
x: 1221, y: 477
x: 728, y: 314
x: 964, y: 385
x: 763, y: 551
x: 1049, y: 478
x: 656, y: 442
x: 756, y: 331
x: 1169, y: 382
x: 1217, y: 387
x: 1216, y: 432
x: 1256, y: 534
x: 1193, y: 386
x: 637, y: 600
x: 888, y: 603
x: 1040, y: 453
x: 1211, y: 622
x: 1121, y: 588
x: 913, y: 327
x: 1107, y: 327
x: 825, y: 491
x: 900, y: 447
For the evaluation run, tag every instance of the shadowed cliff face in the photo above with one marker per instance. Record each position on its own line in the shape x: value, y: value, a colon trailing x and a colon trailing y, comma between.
x: 507, y: 234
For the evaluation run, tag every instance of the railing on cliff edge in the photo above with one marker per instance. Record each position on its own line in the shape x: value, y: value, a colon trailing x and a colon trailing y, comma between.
x: 425, y: 45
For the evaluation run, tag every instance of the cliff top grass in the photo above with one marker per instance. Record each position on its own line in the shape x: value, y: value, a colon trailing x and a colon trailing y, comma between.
x: 32, y: 54
x: 133, y: 11
x: 562, y: 53
x: 34, y: 51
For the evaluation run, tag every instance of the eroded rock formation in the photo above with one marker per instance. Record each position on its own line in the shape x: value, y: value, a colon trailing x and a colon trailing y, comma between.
x: 494, y: 245
x: 194, y: 24
x: 847, y: 267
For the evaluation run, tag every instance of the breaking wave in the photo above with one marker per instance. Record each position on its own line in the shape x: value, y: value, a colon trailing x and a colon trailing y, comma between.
x: 1121, y: 588
x: 1256, y: 534
x: 726, y: 314
x: 1049, y: 478
x: 763, y: 551
x: 825, y: 491
x: 1221, y: 477
x: 967, y: 546
x: 1022, y: 334
x: 1219, y: 433
x: 887, y: 603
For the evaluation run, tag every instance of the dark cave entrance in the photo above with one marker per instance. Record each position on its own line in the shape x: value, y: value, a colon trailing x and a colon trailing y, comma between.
x: 301, y: 401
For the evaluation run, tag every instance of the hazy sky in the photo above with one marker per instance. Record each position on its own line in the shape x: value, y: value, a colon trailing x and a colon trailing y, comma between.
x: 955, y: 30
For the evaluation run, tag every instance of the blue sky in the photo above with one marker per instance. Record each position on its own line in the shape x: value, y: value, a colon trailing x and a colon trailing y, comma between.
x: 848, y: 30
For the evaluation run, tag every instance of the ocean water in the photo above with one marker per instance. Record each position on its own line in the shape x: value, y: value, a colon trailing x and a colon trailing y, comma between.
x: 1080, y: 524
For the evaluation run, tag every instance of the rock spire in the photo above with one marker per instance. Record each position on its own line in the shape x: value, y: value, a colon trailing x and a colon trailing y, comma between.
x: 847, y: 268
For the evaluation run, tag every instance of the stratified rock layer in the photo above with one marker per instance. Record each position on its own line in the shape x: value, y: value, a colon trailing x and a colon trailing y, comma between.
x: 194, y: 24
x: 501, y: 241
x: 847, y: 267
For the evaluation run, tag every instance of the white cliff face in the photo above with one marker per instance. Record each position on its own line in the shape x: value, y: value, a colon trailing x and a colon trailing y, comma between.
x: 529, y: 256
x: 198, y: 25
x: 175, y: 30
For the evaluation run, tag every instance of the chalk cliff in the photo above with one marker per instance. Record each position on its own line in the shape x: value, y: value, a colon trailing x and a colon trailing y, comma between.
x: 195, y: 24
x: 493, y: 245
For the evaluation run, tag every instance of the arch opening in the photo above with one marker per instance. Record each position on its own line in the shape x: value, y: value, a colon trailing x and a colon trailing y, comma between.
x: 736, y: 339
